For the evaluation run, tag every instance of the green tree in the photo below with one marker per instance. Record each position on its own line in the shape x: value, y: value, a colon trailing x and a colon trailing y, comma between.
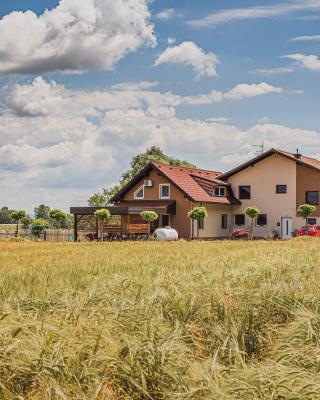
x: 17, y: 216
x: 149, y: 216
x: 42, y: 212
x: 304, y: 211
x: 197, y: 214
x: 5, y: 216
x: 138, y: 162
x: 252, y: 213
x: 102, y: 216
x: 26, y: 222
x: 57, y: 218
x: 39, y: 225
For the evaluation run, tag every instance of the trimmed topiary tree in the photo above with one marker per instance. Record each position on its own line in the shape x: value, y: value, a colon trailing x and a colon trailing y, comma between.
x: 197, y: 214
x: 253, y: 213
x: 17, y: 216
x: 38, y: 226
x: 57, y: 217
x: 102, y: 216
x: 26, y: 222
x: 149, y: 216
x: 304, y: 211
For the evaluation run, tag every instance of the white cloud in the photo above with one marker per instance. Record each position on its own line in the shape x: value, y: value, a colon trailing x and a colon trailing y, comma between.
x: 134, y: 85
x: 171, y: 41
x: 42, y: 98
x: 64, y: 144
x: 218, y: 120
x: 237, y: 14
x: 74, y: 37
x: 188, y: 53
x: 310, y: 38
x: 310, y: 62
x: 272, y: 71
x: 167, y: 14
x: 245, y: 90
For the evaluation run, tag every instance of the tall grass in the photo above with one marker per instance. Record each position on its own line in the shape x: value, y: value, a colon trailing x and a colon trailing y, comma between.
x: 229, y: 320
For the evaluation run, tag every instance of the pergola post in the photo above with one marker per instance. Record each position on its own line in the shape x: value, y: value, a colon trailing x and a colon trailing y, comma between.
x: 75, y: 228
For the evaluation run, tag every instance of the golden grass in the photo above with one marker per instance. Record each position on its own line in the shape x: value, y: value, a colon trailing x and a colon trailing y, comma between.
x: 220, y: 320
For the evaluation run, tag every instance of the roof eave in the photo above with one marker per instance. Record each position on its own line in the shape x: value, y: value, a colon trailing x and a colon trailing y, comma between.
x: 262, y: 157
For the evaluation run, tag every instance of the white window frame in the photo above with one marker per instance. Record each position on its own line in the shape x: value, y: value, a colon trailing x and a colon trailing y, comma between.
x: 161, y: 185
x: 137, y: 191
x: 220, y: 188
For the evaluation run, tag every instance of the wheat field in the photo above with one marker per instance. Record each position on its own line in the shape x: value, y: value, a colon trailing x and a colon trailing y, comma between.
x: 147, y: 320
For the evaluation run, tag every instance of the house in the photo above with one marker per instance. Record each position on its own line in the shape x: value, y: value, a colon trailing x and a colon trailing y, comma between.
x: 277, y: 182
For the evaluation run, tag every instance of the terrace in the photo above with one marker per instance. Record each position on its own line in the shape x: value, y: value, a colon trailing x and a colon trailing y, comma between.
x: 125, y: 221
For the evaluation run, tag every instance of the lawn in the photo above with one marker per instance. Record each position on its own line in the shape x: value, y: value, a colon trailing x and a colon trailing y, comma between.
x: 199, y: 320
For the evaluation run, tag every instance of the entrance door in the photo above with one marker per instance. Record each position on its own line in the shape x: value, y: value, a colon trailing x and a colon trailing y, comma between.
x: 165, y: 221
x: 286, y: 227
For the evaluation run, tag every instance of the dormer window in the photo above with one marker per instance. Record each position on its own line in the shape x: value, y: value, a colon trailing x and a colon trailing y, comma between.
x: 219, y: 191
x: 139, y: 193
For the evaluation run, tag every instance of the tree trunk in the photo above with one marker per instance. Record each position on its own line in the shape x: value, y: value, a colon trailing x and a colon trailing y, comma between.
x: 251, y: 228
x: 102, y: 232
x: 192, y: 229
x: 17, y: 229
x: 198, y: 230
x: 307, y: 226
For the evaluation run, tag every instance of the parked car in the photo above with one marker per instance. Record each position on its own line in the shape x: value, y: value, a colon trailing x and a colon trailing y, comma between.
x: 310, y: 230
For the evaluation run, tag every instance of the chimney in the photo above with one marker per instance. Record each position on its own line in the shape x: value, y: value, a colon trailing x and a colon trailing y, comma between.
x: 298, y: 155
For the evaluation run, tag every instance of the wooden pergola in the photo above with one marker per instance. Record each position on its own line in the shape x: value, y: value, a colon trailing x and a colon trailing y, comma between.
x: 125, y: 219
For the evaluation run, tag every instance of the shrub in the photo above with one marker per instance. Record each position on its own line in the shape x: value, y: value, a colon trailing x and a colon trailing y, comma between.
x: 102, y: 216
x: 197, y: 214
x: 252, y: 213
x: 17, y: 216
x: 304, y: 211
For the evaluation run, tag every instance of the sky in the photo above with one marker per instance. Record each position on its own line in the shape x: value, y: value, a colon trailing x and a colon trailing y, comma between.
x: 86, y: 85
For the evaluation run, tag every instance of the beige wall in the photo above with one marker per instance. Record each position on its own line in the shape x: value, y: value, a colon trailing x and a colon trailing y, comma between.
x: 178, y: 221
x: 263, y: 178
x: 212, y: 224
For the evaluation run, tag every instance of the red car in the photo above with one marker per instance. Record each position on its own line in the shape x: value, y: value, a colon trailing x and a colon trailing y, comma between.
x: 310, y: 230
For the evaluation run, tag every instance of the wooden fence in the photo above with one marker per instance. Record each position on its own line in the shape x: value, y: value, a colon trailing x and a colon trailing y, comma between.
x: 49, y: 235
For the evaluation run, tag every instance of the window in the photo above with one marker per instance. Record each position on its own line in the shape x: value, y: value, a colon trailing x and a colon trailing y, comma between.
x: 201, y: 223
x: 281, y: 189
x: 219, y: 191
x: 139, y: 193
x: 312, y: 221
x: 164, y: 190
x: 312, y: 198
x: 262, y: 220
x: 224, y: 221
x: 244, y: 192
x: 239, y: 219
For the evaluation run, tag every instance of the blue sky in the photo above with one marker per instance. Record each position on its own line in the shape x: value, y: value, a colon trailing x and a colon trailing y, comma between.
x: 233, y: 74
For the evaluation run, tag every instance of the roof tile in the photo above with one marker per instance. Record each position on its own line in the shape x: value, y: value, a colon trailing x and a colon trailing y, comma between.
x: 184, y: 178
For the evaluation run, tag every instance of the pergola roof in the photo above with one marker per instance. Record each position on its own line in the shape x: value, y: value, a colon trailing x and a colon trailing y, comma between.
x: 131, y: 208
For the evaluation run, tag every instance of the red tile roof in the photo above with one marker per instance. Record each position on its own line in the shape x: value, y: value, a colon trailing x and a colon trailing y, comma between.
x: 187, y: 179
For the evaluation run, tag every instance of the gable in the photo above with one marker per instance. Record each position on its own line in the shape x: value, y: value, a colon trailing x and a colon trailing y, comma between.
x: 152, y: 193
x: 302, y: 160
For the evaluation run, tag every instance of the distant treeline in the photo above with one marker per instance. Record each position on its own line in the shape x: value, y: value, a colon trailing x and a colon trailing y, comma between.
x: 44, y: 218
